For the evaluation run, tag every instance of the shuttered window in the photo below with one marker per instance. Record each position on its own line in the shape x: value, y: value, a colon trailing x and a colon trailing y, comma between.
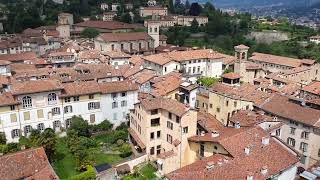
x: 40, y: 113
x: 26, y: 116
x: 13, y: 117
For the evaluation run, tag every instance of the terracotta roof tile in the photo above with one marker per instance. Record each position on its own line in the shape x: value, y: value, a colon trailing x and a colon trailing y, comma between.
x: 30, y: 87
x: 313, y: 88
x: 179, y: 56
x: 18, y: 57
x: 273, y: 156
x: 170, y: 105
x: 27, y: 164
x: 166, y: 84
x: 136, y: 138
x: 118, y: 86
x: 7, y: 99
x: 80, y: 88
x: 245, y: 92
x: 109, y: 25
x: 249, y: 118
x: 133, y: 36
x: 283, y: 107
x: 280, y: 60
x: 231, y: 75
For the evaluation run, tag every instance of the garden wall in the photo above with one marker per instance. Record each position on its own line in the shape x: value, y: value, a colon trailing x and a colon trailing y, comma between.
x: 134, y: 162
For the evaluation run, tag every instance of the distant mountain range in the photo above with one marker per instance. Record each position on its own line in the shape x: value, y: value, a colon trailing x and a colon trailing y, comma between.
x: 256, y: 3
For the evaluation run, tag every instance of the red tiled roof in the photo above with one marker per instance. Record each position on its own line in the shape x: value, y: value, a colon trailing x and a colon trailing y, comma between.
x: 231, y: 75
x: 246, y: 92
x: 109, y: 25
x: 18, y: 57
x: 29, y: 164
x: 170, y: 105
x: 313, y: 88
x: 208, y: 121
x: 166, y: 84
x: 280, y: 60
x: 7, y: 99
x: 241, y: 46
x: 283, y: 107
x: 133, y: 36
x: 179, y: 56
x: 37, y: 86
x: 272, y: 156
x: 118, y: 86
x: 80, y: 88
x: 136, y: 138
x: 249, y: 118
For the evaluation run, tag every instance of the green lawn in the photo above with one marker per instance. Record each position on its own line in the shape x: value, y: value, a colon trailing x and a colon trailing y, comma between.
x: 107, y: 158
x: 148, y: 171
x: 64, y: 167
x: 145, y: 173
x: 65, y: 164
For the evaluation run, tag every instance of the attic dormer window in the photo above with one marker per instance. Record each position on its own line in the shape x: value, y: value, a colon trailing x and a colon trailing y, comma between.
x: 27, y: 102
x: 52, y: 98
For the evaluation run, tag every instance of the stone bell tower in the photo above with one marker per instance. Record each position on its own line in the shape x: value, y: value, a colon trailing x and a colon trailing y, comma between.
x: 153, y: 31
x: 241, y: 56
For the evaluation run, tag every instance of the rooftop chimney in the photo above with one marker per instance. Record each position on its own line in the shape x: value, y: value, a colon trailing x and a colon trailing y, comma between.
x: 265, y: 140
x: 250, y: 176
x: 215, y: 134
x: 264, y: 170
x: 210, y: 165
x: 237, y: 125
x: 247, y: 150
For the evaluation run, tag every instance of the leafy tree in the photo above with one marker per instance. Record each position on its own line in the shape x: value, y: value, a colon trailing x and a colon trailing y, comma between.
x: 89, y: 33
x: 3, y: 139
x: 187, y: 5
x: 125, y: 150
x: 103, y: 126
x: 194, y: 28
x: 25, y: 142
x: 195, y: 9
x: 122, y: 126
x: 207, y: 81
x: 126, y: 18
x: 34, y: 136
x: 48, y: 141
x: 12, y: 147
x: 80, y: 126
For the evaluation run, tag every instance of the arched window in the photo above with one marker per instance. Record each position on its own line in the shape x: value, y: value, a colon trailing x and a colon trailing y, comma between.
x: 40, y: 126
x: 52, y: 98
x: 27, y: 102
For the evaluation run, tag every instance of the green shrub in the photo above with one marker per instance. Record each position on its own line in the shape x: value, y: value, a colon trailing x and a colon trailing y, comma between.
x: 103, y: 126
x: 87, y: 175
x: 125, y: 150
x: 11, y: 147
x: 25, y: 142
x: 119, y: 135
x: 122, y: 126
x: 3, y: 139
x: 80, y: 125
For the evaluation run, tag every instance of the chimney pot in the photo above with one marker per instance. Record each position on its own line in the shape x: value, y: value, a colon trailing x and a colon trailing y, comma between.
x: 250, y: 176
x: 265, y: 140
x: 247, y: 150
x: 215, y: 134
x: 264, y: 170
